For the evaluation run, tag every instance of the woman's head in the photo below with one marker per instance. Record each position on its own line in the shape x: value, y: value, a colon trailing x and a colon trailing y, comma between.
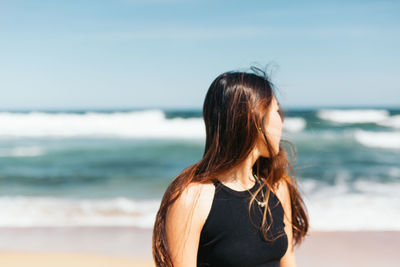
x: 241, y: 113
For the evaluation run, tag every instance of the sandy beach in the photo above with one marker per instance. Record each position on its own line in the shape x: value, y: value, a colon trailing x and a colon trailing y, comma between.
x: 130, y: 246
x: 22, y: 259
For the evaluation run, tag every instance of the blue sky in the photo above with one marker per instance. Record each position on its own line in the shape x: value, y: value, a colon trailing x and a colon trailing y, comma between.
x: 165, y: 53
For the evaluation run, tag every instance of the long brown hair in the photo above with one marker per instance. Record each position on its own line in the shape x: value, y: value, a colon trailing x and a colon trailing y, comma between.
x: 235, y: 106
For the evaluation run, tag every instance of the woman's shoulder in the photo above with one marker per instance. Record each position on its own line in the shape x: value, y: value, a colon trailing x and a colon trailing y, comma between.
x: 197, y: 197
x: 185, y: 219
x: 281, y: 191
x: 203, y: 194
x: 197, y: 186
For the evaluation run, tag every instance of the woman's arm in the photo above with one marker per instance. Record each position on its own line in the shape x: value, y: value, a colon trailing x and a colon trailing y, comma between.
x: 184, y: 221
x: 288, y: 260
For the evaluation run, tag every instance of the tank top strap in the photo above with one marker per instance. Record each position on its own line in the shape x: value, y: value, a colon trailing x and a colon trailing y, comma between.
x: 215, y: 181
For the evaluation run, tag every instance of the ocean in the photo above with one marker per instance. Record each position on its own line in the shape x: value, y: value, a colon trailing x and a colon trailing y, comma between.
x: 111, y: 167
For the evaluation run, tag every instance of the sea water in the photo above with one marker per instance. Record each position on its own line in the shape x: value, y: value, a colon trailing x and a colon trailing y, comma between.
x: 70, y: 168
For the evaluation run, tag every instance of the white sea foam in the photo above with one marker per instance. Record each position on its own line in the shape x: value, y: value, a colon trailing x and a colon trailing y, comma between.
x: 49, y: 211
x: 135, y: 124
x: 354, y: 115
x: 388, y: 140
x: 294, y: 124
x: 363, y: 206
x: 392, y: 121
x: 22, y: 151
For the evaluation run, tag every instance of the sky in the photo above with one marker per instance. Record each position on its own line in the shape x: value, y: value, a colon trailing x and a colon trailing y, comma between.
x: 108, y: 54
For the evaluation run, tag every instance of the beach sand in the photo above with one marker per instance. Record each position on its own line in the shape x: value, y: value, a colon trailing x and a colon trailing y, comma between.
x: 131, y: 246
x: 24, y: 259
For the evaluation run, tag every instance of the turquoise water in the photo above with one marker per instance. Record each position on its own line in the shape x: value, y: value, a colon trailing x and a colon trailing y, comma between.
x: 112, y: 167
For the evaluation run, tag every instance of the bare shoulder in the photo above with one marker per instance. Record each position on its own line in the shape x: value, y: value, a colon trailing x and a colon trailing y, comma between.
x: 191, y: 208
x: 199, y: 197
x: 184, y: 221
x: 282, y: 191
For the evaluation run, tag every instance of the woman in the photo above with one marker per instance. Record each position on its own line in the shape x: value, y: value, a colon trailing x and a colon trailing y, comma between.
x: 237, y: 206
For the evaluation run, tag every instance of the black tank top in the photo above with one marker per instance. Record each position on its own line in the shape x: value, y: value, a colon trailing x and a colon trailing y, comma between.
x: 228, y: 237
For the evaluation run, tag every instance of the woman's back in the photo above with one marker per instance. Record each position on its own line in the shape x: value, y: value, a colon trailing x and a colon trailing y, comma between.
x: 228, y: 237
